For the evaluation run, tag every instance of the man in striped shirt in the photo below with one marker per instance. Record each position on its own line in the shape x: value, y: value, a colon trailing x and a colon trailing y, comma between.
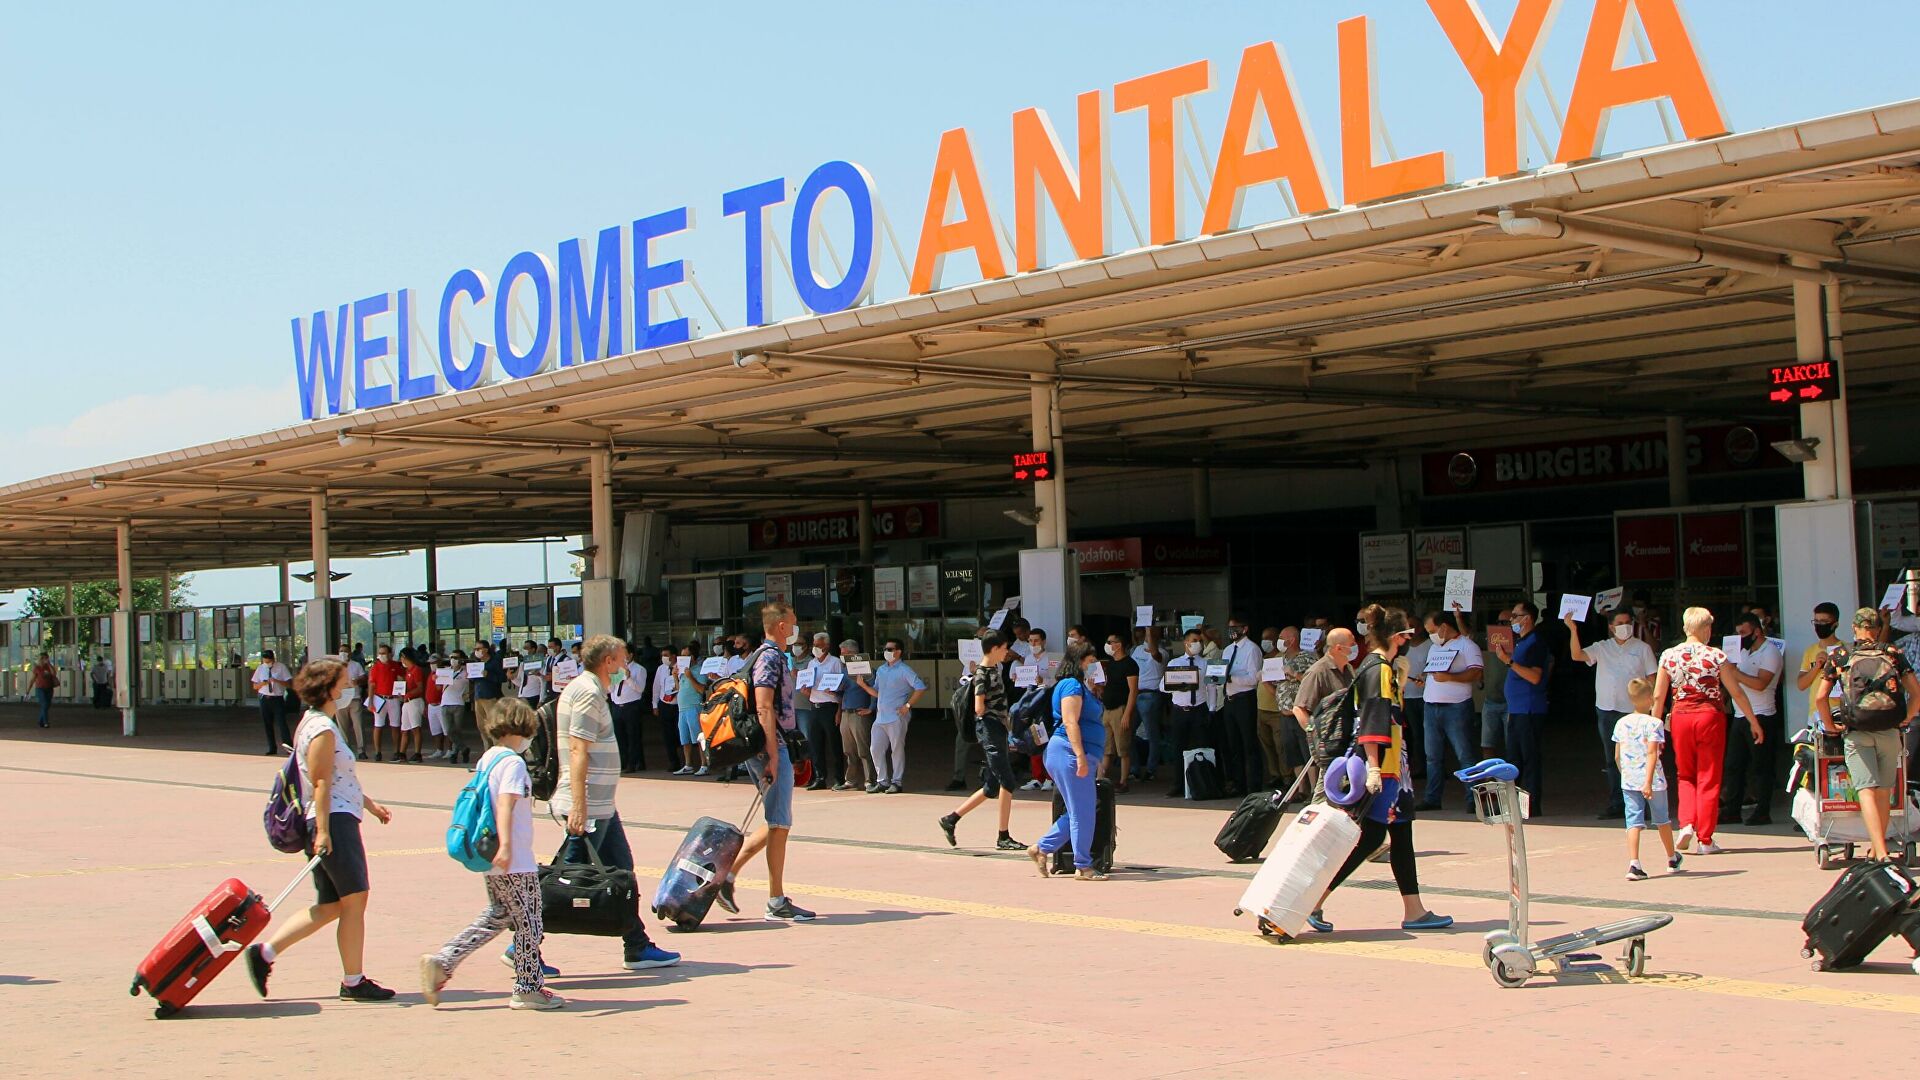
x: 590, y: 776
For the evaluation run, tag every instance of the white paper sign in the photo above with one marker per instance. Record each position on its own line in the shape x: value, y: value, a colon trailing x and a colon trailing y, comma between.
x: 713, y: 665
x: 1608, y: 602
x: 830, y: 681
x: 400, y: 688
x: 970, y: 651
x: 511, y: 663
x: 1310, y: 638
x: 999, y: 619
x: 1026, y: 675
x: 1180, y: 677
x: 1273, y: 669
x: 1895, y: 597
x: 804, y: 680
x: 1216, y: 673
x: 565, y: 669
x: 1736, y: 650
x: 477, y: 670
x: 1143, y: 615
x: 682, y: 663
x: 1459, y: 591
x: 1012, y: 602
x: 1440, y: 660
x: 1188, y: 622
x: 1097, y: 675
x: 443, y: 677
x: 859, y: 667
x: 1575, y: 606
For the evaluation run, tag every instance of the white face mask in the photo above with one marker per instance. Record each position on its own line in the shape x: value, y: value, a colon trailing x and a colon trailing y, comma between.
x: 1193, y: 648
x: 793, y: 635
x: 1116, y: 651
x: 717, y: 650
x: 819, y: 653
x: 1622, y: 631
x: 1267, y: 645
x: 1361, y: 629
x: 892, y: 655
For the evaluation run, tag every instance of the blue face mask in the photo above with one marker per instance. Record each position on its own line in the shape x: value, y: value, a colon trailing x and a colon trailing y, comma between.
x: 1519, y: 628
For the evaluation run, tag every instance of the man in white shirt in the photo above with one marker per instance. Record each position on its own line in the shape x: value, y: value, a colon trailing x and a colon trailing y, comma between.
x: 101, y: 674
x: 1194, y: 701
x: 1620, y: 658
x: 1241, y: 761
x: 1752, y: 771
x: 1153, y: 736
x: 1036, y: 657
x: 270, y: 681
x: 1413, y: 697
x: 1448, y: 709
x: 629, y: 697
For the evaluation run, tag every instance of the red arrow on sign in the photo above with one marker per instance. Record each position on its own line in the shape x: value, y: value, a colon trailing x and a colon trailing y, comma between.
x: 1781, y: 395
x: 1810, y: 391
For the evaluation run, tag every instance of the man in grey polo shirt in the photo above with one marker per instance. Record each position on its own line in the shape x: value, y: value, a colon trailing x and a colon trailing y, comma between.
x: 590, y: 777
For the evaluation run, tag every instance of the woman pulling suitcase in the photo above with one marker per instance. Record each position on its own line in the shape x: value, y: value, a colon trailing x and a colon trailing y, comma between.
x: 1379, y: 728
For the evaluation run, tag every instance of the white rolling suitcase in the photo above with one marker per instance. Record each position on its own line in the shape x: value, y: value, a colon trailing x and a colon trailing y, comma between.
x: 1299, y: 868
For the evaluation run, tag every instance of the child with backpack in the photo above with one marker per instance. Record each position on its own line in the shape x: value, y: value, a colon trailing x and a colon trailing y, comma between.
x: 1643, y: 784
x: 502, y: 784
x: 1869, y: 696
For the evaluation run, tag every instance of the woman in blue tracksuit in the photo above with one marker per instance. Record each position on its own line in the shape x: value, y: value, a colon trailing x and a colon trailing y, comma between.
x: 1074, y: 752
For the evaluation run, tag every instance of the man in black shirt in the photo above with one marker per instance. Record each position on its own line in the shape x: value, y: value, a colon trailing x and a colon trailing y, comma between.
x: 1118, y: 696
x: 992, y: 698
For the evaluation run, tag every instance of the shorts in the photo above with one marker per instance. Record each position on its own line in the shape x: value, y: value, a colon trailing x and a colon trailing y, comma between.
x: 1641, y: 808
x: 777, y: 793
x: 1873, y: 757
x: 388, y: 714
x: 411, y: 713
x: 343, y: 871
x: 437, y: 719
x: 997, y: 774
x: 689, y: 727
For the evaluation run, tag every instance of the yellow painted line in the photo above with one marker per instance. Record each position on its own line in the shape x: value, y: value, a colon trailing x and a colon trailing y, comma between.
x: 1902, y: 1004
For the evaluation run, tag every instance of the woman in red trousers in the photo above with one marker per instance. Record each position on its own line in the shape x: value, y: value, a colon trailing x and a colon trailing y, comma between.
x: 1697, y: 675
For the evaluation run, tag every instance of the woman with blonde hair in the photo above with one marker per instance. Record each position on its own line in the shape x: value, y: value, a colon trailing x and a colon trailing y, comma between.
x: 1701, y: 681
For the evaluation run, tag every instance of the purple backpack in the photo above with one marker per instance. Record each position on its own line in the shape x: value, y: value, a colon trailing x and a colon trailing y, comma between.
x: 286, y: 813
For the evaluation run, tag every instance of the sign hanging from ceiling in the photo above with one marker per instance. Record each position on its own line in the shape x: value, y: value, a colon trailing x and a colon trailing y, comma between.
x: 1033, y: 466
x: 579, y: 305
x: 1803, y: 384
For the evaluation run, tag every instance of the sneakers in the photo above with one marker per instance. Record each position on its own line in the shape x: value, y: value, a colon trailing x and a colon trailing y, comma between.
x: 947, y: 825
x: 1031, y: 785
x: 684, y: 770
x: 893, y: 789
x: 701, y: 771
x: 546, y: 970
x: 1684, y: 839
x: 1008, y: 843
x: 785, y: 910
x: 725, y: 898
x: 378, y: 756
x: 537, y: 1001
x: 365, y: 990
x: 1673, y: 864
x: 1046, y: 785
x: 653, y: 956
x: 1319, y: 923
x: 432, y: 978
x: 1039, y: 860
x: 1634, y: 873
x: 843, y: 786
x: 1710, y: 848
x: 874, y: 789
x: 817, y: 784
x: 258, y: 969
x: 1088, y: 874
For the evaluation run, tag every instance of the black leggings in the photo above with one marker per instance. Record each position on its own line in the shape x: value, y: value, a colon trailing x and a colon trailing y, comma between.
x: 1400, y: 854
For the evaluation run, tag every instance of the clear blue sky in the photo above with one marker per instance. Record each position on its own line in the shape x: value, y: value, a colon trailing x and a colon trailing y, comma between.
x: 184, y: 179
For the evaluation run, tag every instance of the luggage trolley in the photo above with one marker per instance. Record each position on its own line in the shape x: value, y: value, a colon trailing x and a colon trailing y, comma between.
x: 1508, y: 954
x: 1826, y: 805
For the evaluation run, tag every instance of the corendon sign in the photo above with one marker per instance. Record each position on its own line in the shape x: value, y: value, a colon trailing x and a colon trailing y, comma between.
x: 583, y: 305
x: 1647, y: 547
x: 1714, y: 545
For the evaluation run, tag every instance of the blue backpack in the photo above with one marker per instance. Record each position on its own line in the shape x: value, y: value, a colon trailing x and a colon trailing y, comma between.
x: 1029, y: 719
x: 473, y: 838
x: 286, y: 814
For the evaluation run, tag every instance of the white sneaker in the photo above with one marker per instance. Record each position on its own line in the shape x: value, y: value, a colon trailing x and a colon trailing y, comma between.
x: 1031, y: 785
x: 1709, y: 848
x: 541, y: 1000
x: 701, y: 771
x: 684, y: 770
x: 1046, y: 785
x: 1684, y: 839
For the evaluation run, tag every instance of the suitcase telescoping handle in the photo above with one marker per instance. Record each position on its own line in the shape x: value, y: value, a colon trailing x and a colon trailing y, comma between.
x: 212, y: 940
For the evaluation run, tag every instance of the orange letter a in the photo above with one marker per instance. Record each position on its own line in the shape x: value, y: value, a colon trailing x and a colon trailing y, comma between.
x: 1674, y: 73
x: 954, y: 168
x: 1263, y: 81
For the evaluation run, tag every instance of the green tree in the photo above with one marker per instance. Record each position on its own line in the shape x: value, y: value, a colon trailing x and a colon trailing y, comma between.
x: 95, y: 598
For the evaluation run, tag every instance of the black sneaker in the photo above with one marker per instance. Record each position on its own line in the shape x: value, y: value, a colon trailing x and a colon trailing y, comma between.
x: 1634, y: 873
x: 842, y: 786
x: 1008, y: 843
x: 956, y: 785
x: 365, y: 990
x: 873, y: 789
x: 258, y: 969
x: 785, y: 910
x: 725, y: 898
x: 379, y: 756
x: 893, y: 789
x: 947, y: 825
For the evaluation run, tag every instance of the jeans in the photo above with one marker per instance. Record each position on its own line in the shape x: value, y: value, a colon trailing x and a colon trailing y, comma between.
x: 45, y: 697
x: 1607, y: 718
x: 1148, y: 709
x: 1449, y: 726
x: 1493, y: 726
x: 823, y: 742
x: 1523, y: 750
x: 1750, y: 769
x: 273, y: 715
x: 609, y: 840
x: 1077, y: 793
x: 1240, y: 758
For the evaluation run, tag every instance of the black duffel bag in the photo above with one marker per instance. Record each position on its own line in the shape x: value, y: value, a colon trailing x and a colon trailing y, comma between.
x: 588, y: 898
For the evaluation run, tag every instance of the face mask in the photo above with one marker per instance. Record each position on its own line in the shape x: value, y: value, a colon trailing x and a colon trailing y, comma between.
x: 1824, y: 630
x: 619, y: 676
x: 1116, y: 651
x: 716, y: 650
x: 793, y: 635
x: 1267, y: 645
x: 1622, y: 631
x: 1193, y: 648
x: 1519, y: 628
x: 819, y: 653
x: 1362, y: 629
x: 1073, y: 641
x: 1236, y: 632
x: 892, y: 655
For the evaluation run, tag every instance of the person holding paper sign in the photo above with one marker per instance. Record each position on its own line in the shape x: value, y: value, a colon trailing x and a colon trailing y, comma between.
x: 270, y: 682
x: 354, y: 708
x: 1192, y: 698
x: 1452, y: 669
x: 455, y: 709
x: 691, y: 696
x: 413, y: 705
x: 1282, y: 739
x: 487, y: 688
x: 628, y: 697
x: 1617, y: 660
x: 1529, y: 661
x: 1153, y: 735
x: 823, y: 737
x: 381, y: 701
x: 1241, y: 764
x: 1037, y: 658
x: 856, y: 723
x: 1700, y: 681
x: 436, y: 716
x: 1751, y: 768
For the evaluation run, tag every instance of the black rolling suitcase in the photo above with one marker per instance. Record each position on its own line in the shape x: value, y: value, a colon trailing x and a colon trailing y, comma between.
x: 1250, y: 826
x: 701, y: 865
x: 1871, y: 901
x: 1104, y: 830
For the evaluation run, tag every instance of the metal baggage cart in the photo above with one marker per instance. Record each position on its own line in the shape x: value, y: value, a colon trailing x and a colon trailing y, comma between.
x: 1829, y: 813
x: 1509, y: 955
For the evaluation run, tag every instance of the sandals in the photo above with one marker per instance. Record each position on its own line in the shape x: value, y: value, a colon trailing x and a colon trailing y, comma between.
x: 1428, y: 921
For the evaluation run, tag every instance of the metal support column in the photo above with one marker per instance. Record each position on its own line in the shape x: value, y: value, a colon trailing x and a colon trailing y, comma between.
x: 597, y: 593
x: 1677, y: 493
x: 321, y: 633
x: 865, y: 529
x: 433, y: 567
x: 1045, y: 529
x: 286, y: 582
x: 126, y: 636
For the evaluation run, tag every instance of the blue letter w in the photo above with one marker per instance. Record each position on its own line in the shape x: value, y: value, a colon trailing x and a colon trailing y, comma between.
x: 323, y: 357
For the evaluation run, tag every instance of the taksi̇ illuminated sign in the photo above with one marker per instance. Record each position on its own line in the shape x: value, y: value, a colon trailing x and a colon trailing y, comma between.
x: 1033, y: 466
x: 1802, y: 384
x: 577, y: 306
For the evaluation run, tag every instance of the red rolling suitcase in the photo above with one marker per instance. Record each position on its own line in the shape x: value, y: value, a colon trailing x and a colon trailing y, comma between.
x: 201, y: 945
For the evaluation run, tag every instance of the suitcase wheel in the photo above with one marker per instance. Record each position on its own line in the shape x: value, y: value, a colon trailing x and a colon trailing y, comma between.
x: 1819, y: 964
x: 1806, y: 951
x: 164, y: 1011
x: 134, y: 990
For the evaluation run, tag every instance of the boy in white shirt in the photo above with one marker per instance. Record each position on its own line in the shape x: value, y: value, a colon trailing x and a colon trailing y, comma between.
x: 1643, y: 787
